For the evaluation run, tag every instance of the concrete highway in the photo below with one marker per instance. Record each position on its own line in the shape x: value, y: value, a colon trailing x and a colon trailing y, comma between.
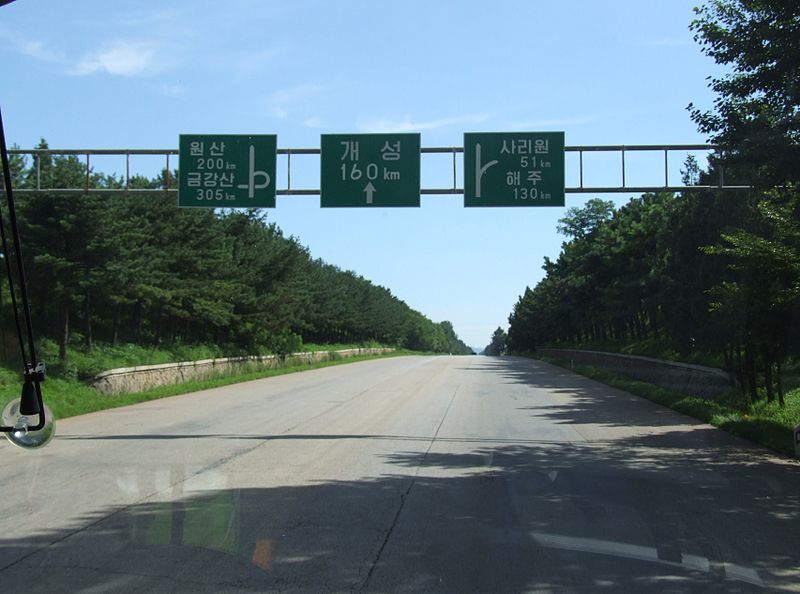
x: 412, y: 474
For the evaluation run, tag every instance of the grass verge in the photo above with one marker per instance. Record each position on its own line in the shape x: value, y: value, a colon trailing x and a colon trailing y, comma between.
x: 762, y: 422
x: 69, y: 397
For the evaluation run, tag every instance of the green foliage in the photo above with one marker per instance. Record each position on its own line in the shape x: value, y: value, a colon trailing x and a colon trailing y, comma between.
x: 498, y: 345
x: 706, y: 276
x: 85, y: 362
x: 286, y: 343
x: 755, y: 115
x: 604, y: 284
x: 754, y: 302
x: 714, y: 275
x: 580, y: 222
x: 760, y: 295
x: 128, y: 269
x: 18, y: 167
x: 455, y: 346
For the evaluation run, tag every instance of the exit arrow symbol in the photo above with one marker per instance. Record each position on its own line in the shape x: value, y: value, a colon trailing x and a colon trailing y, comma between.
x: 370, y: 190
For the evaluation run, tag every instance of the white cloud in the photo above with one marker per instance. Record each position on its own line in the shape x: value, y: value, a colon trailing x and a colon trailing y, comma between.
x: 33, y: 48
x: 39, y: 50
x: 122, y: 58
x: 406, y: 124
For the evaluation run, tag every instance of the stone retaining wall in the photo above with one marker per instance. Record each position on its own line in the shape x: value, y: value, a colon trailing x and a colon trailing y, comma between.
x: 145, y: 377
x: 695, y: 380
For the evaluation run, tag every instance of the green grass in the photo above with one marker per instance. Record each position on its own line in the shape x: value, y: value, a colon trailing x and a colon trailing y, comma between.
x: 308, y: 346
x: 68, y: 396
x: 84, y: 363
x: 762, y: 422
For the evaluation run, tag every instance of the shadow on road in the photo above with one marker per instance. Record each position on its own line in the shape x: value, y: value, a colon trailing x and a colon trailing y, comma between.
x: 511, y: 518
x: 588, y: 399
x: 656, y: 512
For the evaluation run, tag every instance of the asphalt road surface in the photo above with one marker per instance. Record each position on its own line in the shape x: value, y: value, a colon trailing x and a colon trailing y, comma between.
x: 413, y: 474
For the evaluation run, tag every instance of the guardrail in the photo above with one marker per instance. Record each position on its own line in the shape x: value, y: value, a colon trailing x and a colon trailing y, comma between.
x: 695, y: 380
x: 145, y: 377
x: 170, y: 156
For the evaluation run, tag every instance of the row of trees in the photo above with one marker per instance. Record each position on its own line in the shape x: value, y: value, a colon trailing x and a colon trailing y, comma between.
x: 497, y: 346
x: 709, y: 270
x: 135, y: 269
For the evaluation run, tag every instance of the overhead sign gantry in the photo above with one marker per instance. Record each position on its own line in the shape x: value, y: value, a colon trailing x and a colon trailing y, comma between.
x: 544, y: 177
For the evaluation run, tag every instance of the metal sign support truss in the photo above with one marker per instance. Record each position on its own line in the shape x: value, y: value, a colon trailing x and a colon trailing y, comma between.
x: 170, y: 186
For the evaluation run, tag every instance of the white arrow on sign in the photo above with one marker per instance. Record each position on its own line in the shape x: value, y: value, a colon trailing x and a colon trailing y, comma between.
x: 251, y: 185
x: 480, y: 169
x: 370, y: 190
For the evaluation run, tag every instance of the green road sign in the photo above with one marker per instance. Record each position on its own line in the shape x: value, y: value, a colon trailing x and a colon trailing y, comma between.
x: 514, y: 169
x: 227, y: 170
x: 369, y: 170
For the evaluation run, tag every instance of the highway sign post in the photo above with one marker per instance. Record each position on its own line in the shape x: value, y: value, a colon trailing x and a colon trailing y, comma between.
x: 227, y: 170
x: 369, y: 170
x: 514, y: 169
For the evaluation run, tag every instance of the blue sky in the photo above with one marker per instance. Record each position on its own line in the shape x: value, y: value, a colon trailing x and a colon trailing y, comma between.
x: 122, y: 74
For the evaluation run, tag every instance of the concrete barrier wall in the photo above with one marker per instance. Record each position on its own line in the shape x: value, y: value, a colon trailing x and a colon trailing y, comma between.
x: 695, y: 380
x: 145, y: 377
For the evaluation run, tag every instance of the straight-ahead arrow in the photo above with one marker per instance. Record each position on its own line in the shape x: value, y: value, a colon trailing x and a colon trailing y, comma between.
x: 370, y: 190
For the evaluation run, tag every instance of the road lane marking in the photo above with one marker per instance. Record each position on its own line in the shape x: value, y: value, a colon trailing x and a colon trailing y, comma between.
x: 642, y: 553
